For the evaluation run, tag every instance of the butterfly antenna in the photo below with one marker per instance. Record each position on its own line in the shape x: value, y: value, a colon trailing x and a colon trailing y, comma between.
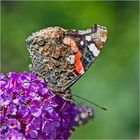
x: 89, y: 113
x: 89, y: 102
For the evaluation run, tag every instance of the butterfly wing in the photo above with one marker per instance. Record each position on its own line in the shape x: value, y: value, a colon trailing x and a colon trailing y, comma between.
x: 62, y: 56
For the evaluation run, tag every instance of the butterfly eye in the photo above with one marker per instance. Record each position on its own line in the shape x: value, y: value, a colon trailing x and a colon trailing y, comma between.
x: 40, y: 42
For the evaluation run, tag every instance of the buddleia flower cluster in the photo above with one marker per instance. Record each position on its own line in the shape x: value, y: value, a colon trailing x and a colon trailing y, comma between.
x: 28, y: 110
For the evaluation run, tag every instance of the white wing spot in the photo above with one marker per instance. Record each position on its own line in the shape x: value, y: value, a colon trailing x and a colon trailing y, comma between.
x: 88, y: 38
x: 82, y: 43
x: 94, y: 50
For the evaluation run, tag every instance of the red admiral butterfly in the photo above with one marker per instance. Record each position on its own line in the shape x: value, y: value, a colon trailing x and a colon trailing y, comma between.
x: 62, y: 56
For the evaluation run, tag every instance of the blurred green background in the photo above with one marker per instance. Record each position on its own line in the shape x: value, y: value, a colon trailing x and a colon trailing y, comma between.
x: 112, y: 81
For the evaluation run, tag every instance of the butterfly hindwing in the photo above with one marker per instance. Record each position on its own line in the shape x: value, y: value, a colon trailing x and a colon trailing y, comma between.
x: 62, y: 56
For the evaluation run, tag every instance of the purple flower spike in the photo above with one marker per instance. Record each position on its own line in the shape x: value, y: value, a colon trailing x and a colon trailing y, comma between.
x: 28, y: 111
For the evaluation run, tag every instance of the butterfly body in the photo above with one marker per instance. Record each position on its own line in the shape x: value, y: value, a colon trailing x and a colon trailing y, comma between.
x: 62, y: 56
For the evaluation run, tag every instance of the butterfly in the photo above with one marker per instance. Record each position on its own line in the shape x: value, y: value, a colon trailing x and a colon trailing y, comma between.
x: 62, y: 56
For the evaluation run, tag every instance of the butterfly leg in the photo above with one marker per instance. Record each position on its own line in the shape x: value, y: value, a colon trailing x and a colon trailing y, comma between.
x: 63, y: 106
